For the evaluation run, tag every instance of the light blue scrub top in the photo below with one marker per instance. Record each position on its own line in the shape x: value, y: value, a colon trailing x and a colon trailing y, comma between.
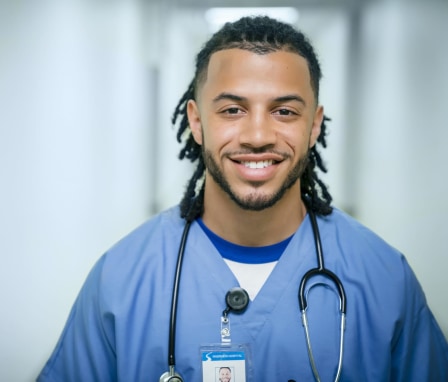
x: 118, y: 327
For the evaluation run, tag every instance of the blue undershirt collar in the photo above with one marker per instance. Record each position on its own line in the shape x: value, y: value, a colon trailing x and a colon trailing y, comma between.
x: 243, y: 254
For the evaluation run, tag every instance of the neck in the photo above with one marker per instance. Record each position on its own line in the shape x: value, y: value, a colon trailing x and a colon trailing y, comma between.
x: 253, y: 228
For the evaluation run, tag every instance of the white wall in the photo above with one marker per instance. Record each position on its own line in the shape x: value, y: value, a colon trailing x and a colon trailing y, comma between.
x: 401, y: 162
x: 74, y: 162
x: 182, y: 35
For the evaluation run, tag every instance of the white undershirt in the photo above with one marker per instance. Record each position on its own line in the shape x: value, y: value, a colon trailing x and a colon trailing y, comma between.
x: 251, y: 276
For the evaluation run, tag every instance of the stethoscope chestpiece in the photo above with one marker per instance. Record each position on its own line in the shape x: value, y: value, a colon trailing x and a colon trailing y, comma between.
x: 170, y: 376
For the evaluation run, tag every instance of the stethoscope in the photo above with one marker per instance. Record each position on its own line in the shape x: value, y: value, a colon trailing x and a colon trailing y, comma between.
x: 237, y: 300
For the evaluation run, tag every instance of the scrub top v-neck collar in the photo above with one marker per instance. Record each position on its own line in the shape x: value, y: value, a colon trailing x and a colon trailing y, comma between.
x: 298, y: 256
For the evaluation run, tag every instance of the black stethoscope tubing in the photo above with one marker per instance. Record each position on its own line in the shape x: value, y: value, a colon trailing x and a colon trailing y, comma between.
x: 175, y: 296
x: 320, y: 270
x: 171, y: 375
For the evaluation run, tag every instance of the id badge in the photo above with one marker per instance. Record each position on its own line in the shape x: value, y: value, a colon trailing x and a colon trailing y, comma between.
x: 228, y: 361
x: 225, y: 362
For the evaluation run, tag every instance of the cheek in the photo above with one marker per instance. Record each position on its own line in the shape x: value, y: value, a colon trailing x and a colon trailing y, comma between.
x: 297, y: 140
x: 218, y: 135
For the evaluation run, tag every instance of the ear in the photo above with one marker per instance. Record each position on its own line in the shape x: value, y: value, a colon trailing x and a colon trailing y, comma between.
x: 317, y: 122
x: 194, y: 120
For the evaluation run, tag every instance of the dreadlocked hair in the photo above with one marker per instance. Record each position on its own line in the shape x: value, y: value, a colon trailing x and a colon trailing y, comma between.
x: 260, y: 35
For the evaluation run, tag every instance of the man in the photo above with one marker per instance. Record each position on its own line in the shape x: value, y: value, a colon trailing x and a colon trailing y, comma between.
x: 251, y: 120
x: 225, y: 374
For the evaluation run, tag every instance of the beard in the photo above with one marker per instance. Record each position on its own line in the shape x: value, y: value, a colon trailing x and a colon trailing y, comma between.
x: 254, y: 201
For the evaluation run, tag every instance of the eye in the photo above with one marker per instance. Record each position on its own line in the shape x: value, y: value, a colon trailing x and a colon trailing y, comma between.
x: 232, y: 110
x: 284, y: 112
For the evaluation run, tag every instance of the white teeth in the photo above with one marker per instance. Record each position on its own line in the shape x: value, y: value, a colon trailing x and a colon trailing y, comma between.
x: 259, y: 164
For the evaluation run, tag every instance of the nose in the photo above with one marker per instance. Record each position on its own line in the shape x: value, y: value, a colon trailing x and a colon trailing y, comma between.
x: 258, y: 131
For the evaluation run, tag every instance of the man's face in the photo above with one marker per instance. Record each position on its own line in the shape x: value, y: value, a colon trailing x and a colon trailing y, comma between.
x: 224, y: 374
x: 256, y: 119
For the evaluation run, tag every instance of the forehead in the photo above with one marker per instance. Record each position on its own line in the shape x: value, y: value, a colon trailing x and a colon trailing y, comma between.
x: 241, y: 71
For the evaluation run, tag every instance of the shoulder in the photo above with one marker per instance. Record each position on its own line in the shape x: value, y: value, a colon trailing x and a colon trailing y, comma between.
x: 351, y: 235
x: 147, y: 251
x: 366, y: 259
x: 385, y: 299
x: 161, y: 226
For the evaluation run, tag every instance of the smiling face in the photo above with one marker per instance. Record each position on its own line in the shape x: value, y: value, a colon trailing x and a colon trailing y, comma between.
x: 255, y: 118
x: 224, y: 374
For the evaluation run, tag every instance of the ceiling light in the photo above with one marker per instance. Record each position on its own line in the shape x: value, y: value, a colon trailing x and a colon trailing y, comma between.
x: 217, y: 17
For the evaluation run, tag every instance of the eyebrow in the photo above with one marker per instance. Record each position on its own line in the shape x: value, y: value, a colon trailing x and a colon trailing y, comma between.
x: 229, y: 96
x: 290, y: 97
x: 237, y: 98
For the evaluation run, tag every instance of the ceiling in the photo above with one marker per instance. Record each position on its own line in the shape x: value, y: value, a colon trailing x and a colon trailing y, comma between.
x: 263, y: 3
